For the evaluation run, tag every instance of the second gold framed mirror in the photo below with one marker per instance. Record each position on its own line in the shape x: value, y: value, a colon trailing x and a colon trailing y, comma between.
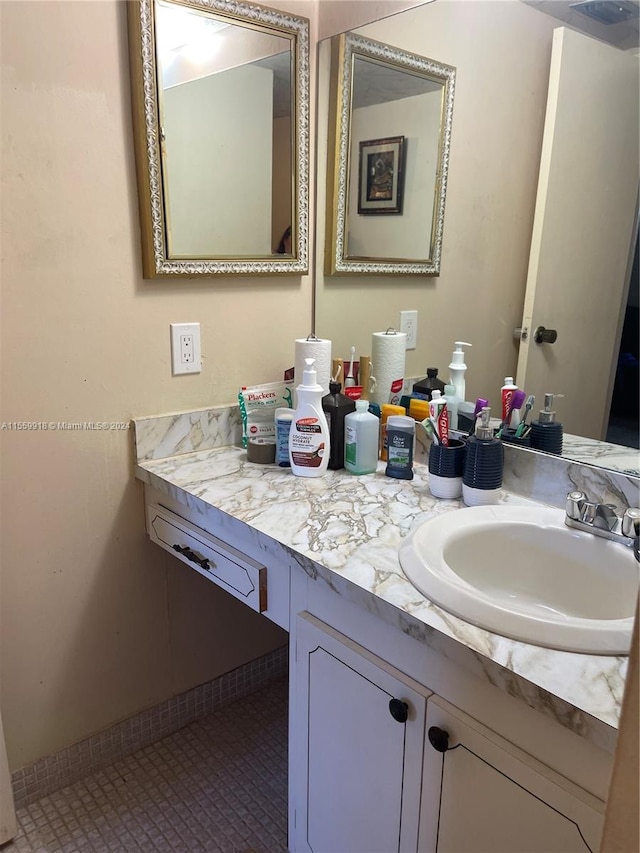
x: 391, y: 115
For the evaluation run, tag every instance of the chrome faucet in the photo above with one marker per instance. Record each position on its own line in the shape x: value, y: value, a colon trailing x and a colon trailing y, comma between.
x: 602, y: 520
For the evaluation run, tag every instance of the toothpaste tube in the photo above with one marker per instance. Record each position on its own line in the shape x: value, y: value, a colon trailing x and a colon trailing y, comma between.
x: 443, y: 425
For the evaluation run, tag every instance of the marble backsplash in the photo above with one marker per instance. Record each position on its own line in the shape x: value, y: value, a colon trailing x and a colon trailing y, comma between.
x: 161, y: 436
x: 538, y: 476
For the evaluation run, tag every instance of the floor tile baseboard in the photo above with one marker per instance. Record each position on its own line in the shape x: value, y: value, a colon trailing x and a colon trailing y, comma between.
x: 100, y: 750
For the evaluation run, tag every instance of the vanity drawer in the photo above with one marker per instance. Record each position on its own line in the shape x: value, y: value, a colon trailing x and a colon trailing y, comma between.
x: 239, y: 574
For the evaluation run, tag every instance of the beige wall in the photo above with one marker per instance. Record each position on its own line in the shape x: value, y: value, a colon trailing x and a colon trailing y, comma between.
x: 404, y: 236
x: 212, y: 212
x: 501, y: 51
x: 96, y: 622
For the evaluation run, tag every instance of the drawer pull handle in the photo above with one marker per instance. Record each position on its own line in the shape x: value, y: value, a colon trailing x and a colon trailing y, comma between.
x: 191, y: 555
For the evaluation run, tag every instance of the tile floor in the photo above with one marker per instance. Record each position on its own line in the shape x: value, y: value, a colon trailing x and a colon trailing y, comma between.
x: 217, y: 786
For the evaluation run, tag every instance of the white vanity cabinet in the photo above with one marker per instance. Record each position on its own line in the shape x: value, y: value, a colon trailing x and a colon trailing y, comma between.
x: 357, y: 747
x: 381, y: 756
x: 483, y: 795
x: 381, y: 764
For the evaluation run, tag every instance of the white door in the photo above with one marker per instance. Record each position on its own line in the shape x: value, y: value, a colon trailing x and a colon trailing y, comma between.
x: 358, y: 739
x: 483, y: 795
x: 8, y: 825
x: 583, y: 230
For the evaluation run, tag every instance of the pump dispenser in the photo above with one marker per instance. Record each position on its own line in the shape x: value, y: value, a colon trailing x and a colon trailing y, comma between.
x: 309, y: 442
x: 546, y: 432
x: 457, y: 369
x: 483, y: 464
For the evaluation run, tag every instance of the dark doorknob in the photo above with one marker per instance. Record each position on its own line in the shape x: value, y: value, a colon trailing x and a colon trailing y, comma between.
x: 545, y: 336
x: 438, y: 738
x: 399, y: 710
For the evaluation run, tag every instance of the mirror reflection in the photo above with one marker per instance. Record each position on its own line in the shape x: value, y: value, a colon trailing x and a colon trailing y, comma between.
x: 502, y: 52
x: 209, y: 211
x: 224, y: 103
x: 393, y: 124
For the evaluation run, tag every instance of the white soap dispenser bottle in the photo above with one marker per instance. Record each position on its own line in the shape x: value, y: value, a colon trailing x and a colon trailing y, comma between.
x: 457, y: 369
x: 309, y: 442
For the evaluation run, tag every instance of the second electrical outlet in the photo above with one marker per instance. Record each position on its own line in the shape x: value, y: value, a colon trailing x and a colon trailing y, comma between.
x: 185, y: 348
x: 409, y: 324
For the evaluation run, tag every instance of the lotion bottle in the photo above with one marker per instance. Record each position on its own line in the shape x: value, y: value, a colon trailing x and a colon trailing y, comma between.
x: 457, y: 369
x: 309, y: 442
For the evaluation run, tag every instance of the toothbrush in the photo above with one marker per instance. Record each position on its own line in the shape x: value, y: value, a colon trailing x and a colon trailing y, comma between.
x: 516, y: 401
x: 481, y: 403
x: 427, y: 425
x: 527, y: 408
x: 350, y: 381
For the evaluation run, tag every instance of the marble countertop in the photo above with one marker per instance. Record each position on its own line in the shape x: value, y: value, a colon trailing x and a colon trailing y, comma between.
x: 347, y: 529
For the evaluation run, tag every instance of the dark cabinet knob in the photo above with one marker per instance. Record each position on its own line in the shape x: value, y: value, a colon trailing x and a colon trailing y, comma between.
x: 545, y: 336
x: 399, y: 710
x: 438, y: 738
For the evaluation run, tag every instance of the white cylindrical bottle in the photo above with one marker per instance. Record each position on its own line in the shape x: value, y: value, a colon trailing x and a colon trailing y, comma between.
x: 361, y: 435
x: 457, y: 369
x: 309, y: 444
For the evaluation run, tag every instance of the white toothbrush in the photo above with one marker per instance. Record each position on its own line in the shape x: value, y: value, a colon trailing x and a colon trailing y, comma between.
x: 350, y: 381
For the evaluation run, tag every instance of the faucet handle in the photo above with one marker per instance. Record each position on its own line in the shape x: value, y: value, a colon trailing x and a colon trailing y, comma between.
x: 631, y: 522
x: 575, y: 504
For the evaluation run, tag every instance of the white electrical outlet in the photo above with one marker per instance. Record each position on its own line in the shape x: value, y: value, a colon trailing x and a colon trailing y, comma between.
x: 409, y: 324
x: 185, y: 348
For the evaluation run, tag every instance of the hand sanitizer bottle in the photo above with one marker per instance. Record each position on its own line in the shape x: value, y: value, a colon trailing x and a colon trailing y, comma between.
x: 361, y: 430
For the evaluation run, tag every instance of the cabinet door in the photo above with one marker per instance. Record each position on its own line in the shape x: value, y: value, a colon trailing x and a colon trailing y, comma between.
x: 484, y: 795
x: 357, y: 747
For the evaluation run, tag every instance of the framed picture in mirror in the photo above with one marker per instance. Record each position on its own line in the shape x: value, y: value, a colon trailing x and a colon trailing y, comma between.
x: 381, y: 183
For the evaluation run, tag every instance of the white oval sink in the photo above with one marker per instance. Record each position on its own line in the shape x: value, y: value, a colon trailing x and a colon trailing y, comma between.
x: 520, y: 572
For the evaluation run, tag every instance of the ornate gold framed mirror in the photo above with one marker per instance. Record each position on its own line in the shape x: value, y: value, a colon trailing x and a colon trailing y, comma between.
x: 391, y: 112
x: 220, y: 94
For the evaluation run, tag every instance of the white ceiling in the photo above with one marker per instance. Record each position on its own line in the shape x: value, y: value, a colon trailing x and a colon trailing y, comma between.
x: 625, y: 35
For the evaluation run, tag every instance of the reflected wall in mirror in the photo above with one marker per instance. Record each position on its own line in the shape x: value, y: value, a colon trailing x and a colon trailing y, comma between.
x: 387, y: 198
x: 500, y: 51
x: 221, y: 117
